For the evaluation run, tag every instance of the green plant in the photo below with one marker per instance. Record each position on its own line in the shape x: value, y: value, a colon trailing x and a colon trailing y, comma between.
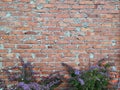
x: 95, y: 78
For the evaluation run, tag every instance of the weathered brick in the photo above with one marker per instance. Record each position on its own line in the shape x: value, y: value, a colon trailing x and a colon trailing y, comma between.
x: 32, y: 51
x: 49, y: 5
x: 54, y: 29
x: 62, y: 6
x: 30, y: 33
x: 24, y: 46
x: 62, y: 16
x: 86, y: 2
x: 77, y: 15
x: 18, y: 51
x: 107, y: 16
x: 7, y: 0
x: 3, y: 51
x: 40, y: 55
x: 83, y: 7
x: 62, y: 42
x: 30, y: 42
x: 23, y: 28
x: 26, y: 55
x: 9, y: 46
x: 25, y: 0
x: 47, y: 15
x: 48, y: 42
x: 100, y: 2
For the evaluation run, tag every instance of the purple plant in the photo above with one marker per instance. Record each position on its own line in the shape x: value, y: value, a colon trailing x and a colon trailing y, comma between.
x: 81, y: 81
x: 51, y: 81
x: 95, y: 78
x: 77, y: 72
x: 94, y: 67
x: 2, y: 84
x: 23, y: 86
x: 25, y: 78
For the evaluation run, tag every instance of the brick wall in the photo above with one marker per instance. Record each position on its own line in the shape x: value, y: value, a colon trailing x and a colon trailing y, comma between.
x: 48, y: 32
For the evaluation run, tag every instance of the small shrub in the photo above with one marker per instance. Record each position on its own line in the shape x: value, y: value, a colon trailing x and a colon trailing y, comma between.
x: 95, y: 78
x: 24, y: 75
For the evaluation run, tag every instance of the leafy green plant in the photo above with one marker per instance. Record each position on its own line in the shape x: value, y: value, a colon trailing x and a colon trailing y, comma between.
x: 95, y: 78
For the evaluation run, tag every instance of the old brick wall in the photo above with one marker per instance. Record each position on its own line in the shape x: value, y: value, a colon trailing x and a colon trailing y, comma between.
x: 48, y: 32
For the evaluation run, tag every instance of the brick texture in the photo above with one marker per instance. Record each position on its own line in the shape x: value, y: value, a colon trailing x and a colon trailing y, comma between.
x: 48, y: 32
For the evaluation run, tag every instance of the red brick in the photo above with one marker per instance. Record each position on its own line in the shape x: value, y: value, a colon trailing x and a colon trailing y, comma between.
x: 17, y: 32
x: 100, y: 2
x: 2, y: 23
x: 54, y: 10
x: 40, y: 55
x: 77, y: 15
x: 7, y: 0
x: 76, y: 25
x: 106, y: 16
x: 2, y: 33
x: 109, y: 6
x: 41, y: 11
x: 40, y: 37
x: 31, y: 5
x: 25, y: 0
x: 7, y: 37
x: 9, y: 46
x: 30, y: 33
x: 7, y: 64
x: 86, y: 2
x: 83, y: 6
x: 33, y: 24
x: 62, y: 6
x: 54, y: 29
x: 50, y: 24
x: 40, y: 1
x: 3, y: 51
x: 70, y: 2
x: 23, y: 28
x: 24, y: 46
x: 30, y: 42
x: 25, y: 55
x: 18, y: 51
x: 62, y: 42
x: 32, y: 51
x: 25, y: 18
x: 62, y: 50
x: 68, y: 20
x: 69, y: 28
x: 77, y: 42
x: 53, y: 37
x: 62, y: 16
x: 47, y: 15
x: 49, y: 5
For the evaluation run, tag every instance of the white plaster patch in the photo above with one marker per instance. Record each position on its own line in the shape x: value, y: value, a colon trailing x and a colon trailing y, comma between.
x: 9, y: 50
x: 8, y: 14
x: 33, y: 55
x: 68, y: 34
x: 113, y: 42
x: 17, y: 55
x: 77, y: 29
x: 0, y: 64
x: 1, y: 46
x: 91, y: 55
